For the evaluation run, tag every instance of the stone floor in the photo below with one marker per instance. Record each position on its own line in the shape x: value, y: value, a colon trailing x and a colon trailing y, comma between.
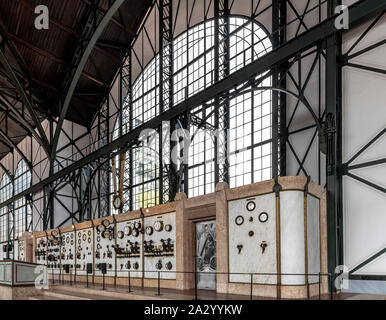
x: 79, y: 291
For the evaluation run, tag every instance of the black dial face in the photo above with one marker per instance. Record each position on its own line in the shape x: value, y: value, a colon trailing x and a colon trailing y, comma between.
x: 251, y: 206
x: 149, y: 230
x: 168, y: 227
x: 135, y: 232
x: 263, y: 217
x: 239, y: 220
x: 120, y: 234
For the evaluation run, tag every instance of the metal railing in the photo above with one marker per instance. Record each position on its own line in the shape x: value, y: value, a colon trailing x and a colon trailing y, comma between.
x: 72, y: 279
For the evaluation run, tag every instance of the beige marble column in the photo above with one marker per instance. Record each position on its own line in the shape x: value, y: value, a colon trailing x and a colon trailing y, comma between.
x: 222, y: 237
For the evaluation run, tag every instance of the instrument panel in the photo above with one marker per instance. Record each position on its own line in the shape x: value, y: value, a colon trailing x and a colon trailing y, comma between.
x: 252, y: 238
x: 139, y: 245
x: 159, y: 246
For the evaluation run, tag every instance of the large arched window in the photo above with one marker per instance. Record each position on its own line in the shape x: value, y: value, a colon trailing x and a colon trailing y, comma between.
x: 22, y: 211
x: 5, y: 194
x: 194, y: 70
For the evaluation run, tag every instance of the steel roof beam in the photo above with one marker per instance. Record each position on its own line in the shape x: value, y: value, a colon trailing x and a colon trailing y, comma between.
x: 76, y: 73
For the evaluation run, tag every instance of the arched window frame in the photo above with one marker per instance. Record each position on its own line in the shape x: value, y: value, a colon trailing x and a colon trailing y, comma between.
x: 6, y: 191
x: 145, y: 105
x: 22, y: 212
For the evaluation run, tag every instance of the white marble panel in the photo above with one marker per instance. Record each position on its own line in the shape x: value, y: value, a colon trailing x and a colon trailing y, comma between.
x: 251, y: 258
x: 106, y: 251
x: 84, y: 250
x: 129, y: 260
x: 151, y: 261
x: 292, y: 237
x: 68, y: 250
x: 313, y: 237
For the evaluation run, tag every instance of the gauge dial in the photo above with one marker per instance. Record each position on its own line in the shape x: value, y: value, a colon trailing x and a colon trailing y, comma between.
x: 120, y: 234
x: 239, y: 220
x: 117, y: 202
x: 137, y: 225
x: 149, y: 230
x: 106, y: 223
x: 263, y: 217
x: 101, y: 228
x: 168, y: 227
x: 251, y: 205
x: 127, y: 230
x: 158, y: 226
x: 135, y: 233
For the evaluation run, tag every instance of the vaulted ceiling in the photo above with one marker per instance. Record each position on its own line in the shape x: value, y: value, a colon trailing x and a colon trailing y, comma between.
x: 41, y: 60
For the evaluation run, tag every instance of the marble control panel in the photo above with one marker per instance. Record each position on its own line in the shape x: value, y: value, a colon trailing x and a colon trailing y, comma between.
x: 252, y: 239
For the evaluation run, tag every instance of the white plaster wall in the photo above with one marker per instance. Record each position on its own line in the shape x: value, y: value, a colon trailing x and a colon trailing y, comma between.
x: 364, y: 116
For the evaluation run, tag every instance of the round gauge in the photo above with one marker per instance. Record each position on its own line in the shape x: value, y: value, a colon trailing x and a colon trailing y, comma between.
x: 239, y: 220
x: 106, y: 223
x: 135, y: 233
x: 128, y: 265
x: 84, y: 237
x: 79, y: 240
x: 127, y: 230
x: 50, y: 237
x: 117, y: 202
x: 79, y: 234
x: 67, y: 239
x: 101, y: 228
x: 89, y: 233
x: 263, y: 217
x: 72, y: 236
x: 136, y: 265
x: 251, y: 233
x: 89, y: 240
x: 149, y: 230
x: 72, y: 242
x: 137, y: 225
x: 98, y: 238
x: 120, y: 234
x: 158, y: 226
x: 169, y: 266
x: 159, y: 265
x: 251, y: 205
x: 168, y: 227
x: 105, y: 234
x: 55, y: 242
